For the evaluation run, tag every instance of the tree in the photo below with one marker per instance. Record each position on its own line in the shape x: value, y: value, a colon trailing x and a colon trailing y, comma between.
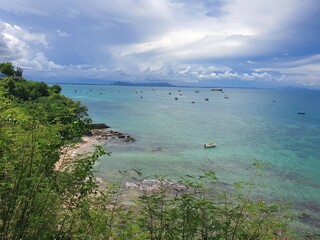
x: 18, y: 72
x: 7, y: 69
x: 56, y: 88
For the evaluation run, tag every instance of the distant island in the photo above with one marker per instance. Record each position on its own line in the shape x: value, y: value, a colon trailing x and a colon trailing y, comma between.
x: 159, y: 84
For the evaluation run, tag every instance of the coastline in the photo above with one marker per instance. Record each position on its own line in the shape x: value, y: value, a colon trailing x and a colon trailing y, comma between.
x: 96, y: 137
x: 99, y: 137
x: 69, y: 152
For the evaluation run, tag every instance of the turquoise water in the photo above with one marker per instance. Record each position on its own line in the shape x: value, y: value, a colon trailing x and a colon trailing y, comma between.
x: 252, y: 124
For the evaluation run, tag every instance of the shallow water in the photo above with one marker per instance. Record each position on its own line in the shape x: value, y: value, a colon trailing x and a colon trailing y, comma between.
x: 252, y: 124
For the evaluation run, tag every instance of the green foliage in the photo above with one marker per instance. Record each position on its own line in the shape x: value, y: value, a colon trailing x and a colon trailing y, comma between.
x: 47, y: 105
x: 37, y: 202
x: 55, y: 88
x: 7, y: 68
x: 69, y: 116
x: 18, y: 72
x: 205, y: 210
x: 23, y: 89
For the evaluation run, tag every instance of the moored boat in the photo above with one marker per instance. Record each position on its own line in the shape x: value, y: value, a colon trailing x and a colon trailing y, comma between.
x: 210, y: 145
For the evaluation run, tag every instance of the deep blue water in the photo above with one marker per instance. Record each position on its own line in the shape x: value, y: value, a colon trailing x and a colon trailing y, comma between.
x: 251, y: 124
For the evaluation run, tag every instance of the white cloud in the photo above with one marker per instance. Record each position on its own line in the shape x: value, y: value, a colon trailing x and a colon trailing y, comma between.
x: 303, y: 71
x: 62, y: 34
x: 228, y: 75
x: 302, y: 66
x: 251, y: 62
x: 247, y: 28
x: 186, y: 44
x: 17, y: 45
x: 39, y: 64
x: 16, y: 42
x: 187, y: 70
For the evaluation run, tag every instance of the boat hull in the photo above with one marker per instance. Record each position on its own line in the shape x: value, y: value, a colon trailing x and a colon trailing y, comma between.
x: 209, y: 145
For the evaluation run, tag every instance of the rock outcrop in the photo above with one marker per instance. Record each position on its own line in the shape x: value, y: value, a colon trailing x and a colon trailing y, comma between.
x: 98, y: 126
x: 103, y: 134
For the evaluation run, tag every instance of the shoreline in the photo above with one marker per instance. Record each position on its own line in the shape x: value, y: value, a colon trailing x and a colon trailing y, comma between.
x: 86, y: 144
x: 100, y: 137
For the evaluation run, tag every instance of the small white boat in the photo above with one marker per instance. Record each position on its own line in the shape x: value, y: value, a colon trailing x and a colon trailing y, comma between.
x: 210, y: 145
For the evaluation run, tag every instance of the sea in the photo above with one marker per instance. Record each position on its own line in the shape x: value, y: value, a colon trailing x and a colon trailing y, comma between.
x: 278, y: 127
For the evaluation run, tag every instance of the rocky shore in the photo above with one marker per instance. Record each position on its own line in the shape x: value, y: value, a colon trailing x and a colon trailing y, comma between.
x: 96, y: 136
x: 154, y: 185
x: 103, y: 134
x: 100, y: 136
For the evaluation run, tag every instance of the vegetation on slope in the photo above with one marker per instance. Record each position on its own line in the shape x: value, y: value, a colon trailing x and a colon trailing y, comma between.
x: 37, y: 202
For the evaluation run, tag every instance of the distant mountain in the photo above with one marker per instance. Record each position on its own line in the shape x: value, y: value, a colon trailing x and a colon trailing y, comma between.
x: 159, y: 84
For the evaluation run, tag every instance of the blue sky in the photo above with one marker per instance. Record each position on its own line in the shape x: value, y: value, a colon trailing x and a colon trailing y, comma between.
x: 260, y: 43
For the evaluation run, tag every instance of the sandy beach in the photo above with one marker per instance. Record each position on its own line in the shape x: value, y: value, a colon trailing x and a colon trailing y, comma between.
x: 69, y: 152
x: 86, y: 144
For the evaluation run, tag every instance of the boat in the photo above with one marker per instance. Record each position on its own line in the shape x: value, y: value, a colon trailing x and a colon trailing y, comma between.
x: 206, y: 99
x: 209, y: 145
x: 217, y: 89
x: 301, y: 113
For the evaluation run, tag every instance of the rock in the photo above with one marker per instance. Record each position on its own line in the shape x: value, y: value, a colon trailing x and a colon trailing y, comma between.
x: 98, y: 126
x: 129, y: 139
x: 103, y: 134
x: 153, y: 185
x: 88, y: 133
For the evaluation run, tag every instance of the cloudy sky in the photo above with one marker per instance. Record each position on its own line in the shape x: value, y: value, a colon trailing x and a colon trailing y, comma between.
x: 186, y: 42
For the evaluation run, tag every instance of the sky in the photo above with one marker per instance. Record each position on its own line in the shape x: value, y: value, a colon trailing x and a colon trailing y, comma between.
x: 238, y: 43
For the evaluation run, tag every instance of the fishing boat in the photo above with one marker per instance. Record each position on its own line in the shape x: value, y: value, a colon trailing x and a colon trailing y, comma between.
x: 210, y: 145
